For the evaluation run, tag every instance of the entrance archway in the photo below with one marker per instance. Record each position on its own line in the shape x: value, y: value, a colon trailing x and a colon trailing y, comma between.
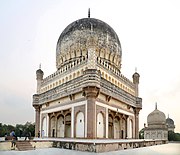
x: 52, y: 126
x: 130, y: 129
x: 123, y: 129
x: 100, y: 126
x: 117, y: 127
x: 60, y: 126
x: 68, y: 125
x: 110, y: 126
x: 44, y: 126
x: 80, y: 125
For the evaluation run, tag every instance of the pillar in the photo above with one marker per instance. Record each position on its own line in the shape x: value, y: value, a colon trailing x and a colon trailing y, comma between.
x: 128, y: 127
x: 47, y: 128
x: 91, y: 94
x: 37, y: 119
x: 107, y: 123
x: 136, y: 115
x: 72, y: 122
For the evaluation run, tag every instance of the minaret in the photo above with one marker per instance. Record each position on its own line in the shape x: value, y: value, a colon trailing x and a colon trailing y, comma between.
x: 39, y: 78
x: 91, y: 48
x: 89, y: 14
x: 136, y: 82
x: 156, y: 106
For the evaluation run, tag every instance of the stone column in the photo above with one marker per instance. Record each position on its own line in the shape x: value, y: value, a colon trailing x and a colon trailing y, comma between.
x: 47, y: 128
x: 107, y: 123
x: 136, y: 115
x: 91, y: 93
x: 72, y: 122
x: 37, y: 119
x: 128, y: 127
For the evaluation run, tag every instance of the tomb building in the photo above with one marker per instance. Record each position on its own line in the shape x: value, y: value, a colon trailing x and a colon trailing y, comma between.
x: 87, y: 96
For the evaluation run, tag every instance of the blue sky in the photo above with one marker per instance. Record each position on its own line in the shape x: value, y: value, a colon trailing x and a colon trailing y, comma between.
x: 149, y: 32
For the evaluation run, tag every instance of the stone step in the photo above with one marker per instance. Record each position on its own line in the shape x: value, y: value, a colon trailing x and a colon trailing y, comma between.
x: 24, y: 145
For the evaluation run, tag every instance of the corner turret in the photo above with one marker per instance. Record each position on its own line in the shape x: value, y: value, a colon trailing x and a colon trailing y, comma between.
x: 39, y: 78
x: 136, y: 77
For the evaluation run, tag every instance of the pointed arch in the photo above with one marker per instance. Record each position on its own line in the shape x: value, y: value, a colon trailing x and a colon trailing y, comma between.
x: 60, y: 126
x: 44, y: 126
x: 100, y: 125
x: 68, y: 125
x: 52, y: 126
x: 80, y: 124
x: 117, y: 127
x: 110, y: 126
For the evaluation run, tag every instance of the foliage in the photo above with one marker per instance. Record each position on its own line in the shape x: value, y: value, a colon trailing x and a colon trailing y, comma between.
x: 141, y: 134
x: 172, y: 136
x: 20, y: 130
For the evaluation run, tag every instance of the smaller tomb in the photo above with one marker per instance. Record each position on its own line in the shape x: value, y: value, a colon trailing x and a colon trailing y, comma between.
x: 157, y: 128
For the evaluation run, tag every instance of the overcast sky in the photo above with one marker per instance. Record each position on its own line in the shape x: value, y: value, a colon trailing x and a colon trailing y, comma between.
x: 149, y: 32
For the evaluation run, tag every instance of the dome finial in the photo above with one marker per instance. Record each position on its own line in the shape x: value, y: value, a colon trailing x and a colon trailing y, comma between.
x: 40, y: 66
x: 89, y: 13
x: 156, y: 106
x: 135, y: 69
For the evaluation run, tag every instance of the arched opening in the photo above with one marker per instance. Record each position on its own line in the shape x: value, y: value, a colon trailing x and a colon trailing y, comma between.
x: 68, y: 125
x: 110, y: 126
x: 52, y: 126
x: 147, y: 136
x: 100, y: 126
x: 117, y: 127
x: 123, y: 129
x: 44, y: 126
x: 130, y: 129
x: 80, y: 125
x: 78, y: 73
x: 60, y: 126
x: 159, y: 136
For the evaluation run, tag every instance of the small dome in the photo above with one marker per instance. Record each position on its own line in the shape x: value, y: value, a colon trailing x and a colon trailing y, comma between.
x: 156, y: 117
x: 78, y: 35
x: 39, y: 71
x: 169, y: 121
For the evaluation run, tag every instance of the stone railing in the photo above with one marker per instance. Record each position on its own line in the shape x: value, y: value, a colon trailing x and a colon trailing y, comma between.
x: 116, y: 73
x: 66, y: 69
x: 90, y: 78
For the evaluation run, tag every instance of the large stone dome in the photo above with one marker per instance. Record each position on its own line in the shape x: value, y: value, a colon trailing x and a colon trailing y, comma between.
x: 77, y: 35
x: 156, y: 118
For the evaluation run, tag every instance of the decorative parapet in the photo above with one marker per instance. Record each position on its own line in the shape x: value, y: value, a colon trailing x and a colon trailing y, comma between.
x: 114, y: 91
x: 117, y: 74
x: 66, y: 69
x: 90, y: 78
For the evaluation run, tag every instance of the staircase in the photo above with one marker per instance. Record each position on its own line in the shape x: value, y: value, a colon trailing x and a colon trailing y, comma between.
x: 24, y: 145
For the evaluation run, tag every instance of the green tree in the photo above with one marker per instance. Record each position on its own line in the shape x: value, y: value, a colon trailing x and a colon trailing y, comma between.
x: 19, y: 129
x: 172, y: 136
x: 141, y: 133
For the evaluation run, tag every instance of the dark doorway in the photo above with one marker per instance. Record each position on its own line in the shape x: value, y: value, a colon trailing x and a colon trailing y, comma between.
x: 53, y: 133
x: 122, y: 134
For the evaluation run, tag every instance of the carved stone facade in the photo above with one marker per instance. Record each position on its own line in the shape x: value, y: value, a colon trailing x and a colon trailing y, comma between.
x: 87, y: 97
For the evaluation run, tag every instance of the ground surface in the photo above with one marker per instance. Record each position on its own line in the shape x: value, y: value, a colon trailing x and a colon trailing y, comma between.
x: 166, y: 149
